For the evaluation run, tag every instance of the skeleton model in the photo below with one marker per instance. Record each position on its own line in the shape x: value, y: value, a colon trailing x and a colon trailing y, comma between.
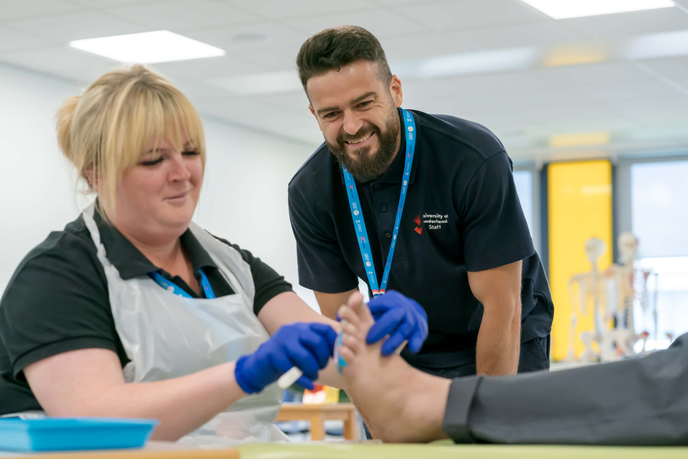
x: 613, y: 295
x: 591, y: 287
x: 630, y: 289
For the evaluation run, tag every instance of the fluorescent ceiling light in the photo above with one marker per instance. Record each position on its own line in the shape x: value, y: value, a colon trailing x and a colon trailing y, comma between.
x: 261, y: 83
x: 667, y: 44
x: 434, y: 67
x: 564, y: 9
x: 576, y: 54
x: 466, y: 63
x: 579, y: 140
x: 147, y: 47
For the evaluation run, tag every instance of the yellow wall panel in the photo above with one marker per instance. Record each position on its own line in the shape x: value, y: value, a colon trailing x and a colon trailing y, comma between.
x: 579, y: 207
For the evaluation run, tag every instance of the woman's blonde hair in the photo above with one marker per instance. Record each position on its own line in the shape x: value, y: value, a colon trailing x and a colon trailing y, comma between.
x: 104, y: 131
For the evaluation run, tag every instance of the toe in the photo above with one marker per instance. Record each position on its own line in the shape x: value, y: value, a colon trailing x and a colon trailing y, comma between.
x: 352, y: 343
x: 359, y: 308
x: 365, y: 318
x: 347, y: 354
x: 348, y: 315
x: 352, y: 330
x: 354, y: 300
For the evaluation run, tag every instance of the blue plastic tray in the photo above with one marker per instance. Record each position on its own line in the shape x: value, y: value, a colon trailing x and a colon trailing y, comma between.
x: 62, y: 434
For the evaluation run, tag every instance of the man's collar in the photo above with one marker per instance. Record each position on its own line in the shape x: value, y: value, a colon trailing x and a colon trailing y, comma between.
x: 129, y: 260
x: 395, y: 171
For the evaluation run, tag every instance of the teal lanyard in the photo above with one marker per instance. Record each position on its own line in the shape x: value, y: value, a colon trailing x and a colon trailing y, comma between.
x: 357, y: 216
x: 173, y: 288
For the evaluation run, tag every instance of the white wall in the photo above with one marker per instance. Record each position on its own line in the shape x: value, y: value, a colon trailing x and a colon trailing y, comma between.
x: 244, y: 198
x: 36, y: 189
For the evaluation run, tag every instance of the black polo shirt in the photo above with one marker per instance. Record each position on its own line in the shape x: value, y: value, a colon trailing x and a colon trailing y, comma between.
x: 462, y: 214
x: 57, y: 300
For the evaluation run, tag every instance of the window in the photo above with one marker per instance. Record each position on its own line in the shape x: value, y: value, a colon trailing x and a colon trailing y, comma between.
x: 653, y: 207
x: 659, y: 208
x: 665, y: 315
x: 527, y: 179
x: 524, y: 188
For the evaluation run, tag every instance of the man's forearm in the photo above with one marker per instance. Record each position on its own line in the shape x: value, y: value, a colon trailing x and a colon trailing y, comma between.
x: 331, y: 302
x: 499, y: 340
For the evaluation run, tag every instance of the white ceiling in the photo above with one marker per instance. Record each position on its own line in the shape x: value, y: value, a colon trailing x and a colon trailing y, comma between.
x: 642, y: 103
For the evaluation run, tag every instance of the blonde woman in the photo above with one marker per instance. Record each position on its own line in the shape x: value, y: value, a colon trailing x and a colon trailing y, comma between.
x: 133, y: 310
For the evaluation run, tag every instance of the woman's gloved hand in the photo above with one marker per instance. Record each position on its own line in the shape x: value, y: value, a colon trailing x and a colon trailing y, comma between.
x: 307, y: 346
x: 400, y: 317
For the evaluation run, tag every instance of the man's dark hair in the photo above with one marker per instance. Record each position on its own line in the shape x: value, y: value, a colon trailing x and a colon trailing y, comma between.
x: 335, y: 48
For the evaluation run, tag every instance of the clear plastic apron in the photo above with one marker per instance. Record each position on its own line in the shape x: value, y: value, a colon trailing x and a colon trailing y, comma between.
x: 166, y: 336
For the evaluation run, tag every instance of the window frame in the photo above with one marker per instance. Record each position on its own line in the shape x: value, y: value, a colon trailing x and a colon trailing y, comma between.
x: 622, y: 205
x: 534, y: 170
x: 622, y: 199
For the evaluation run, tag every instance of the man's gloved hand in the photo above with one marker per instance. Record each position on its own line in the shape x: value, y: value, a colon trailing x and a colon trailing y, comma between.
x: 307, y: 346
x: 399, y: 317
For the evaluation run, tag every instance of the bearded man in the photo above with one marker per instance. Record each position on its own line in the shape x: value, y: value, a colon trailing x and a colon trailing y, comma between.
x: 422, y: 204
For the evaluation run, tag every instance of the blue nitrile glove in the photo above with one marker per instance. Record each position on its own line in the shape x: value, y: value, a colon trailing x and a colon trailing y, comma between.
x: 307, y: 346
x: 399, y: 317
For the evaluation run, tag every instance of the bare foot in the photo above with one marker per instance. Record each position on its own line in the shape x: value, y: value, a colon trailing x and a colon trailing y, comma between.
x: 398, y: 403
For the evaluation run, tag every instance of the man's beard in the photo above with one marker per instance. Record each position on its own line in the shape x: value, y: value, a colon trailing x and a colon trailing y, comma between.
x: 359, y: 162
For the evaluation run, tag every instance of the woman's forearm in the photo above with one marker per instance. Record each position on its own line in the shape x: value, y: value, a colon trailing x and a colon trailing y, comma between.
x: 181, y: 404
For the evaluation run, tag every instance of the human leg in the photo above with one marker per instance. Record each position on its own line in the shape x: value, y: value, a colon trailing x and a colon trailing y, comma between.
x: 397, y: 402
x: 639, y: 401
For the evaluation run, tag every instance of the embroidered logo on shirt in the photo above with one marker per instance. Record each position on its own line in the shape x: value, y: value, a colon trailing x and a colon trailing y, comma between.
x: 435, y: 221
x: 419, y: 228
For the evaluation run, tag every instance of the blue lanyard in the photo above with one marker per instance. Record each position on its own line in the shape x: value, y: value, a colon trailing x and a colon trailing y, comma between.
x: 171, y: 287
x: 357, y: 216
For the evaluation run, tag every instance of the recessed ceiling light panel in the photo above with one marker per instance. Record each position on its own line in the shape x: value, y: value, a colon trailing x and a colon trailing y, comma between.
x: 466, y: 63
x: 147, y: 47
x: 565, y: 9
x: 653, y: 46
x: 261, y: 83
x: 579, y: 140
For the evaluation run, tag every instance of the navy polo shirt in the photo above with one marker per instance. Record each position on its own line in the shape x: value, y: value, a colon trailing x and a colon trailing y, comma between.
x: 462, y: 214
